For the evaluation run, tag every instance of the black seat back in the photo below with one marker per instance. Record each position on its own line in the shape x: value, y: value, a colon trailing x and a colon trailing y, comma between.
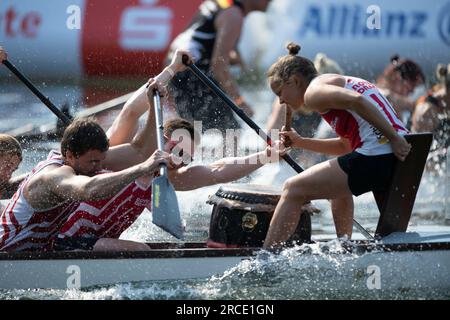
x: 397, y: 203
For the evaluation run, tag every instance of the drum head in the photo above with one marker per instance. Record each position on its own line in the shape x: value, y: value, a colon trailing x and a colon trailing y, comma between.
x: 252, y: 194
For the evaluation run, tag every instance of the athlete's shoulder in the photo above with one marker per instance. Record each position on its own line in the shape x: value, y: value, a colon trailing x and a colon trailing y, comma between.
x: 52, y: 174
x: 331, y: 79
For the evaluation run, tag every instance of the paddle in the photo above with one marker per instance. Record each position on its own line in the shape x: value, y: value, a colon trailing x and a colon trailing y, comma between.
x: 288, y: 126
x: 27, y: 129
x: 66, y: 121
x: 220, y: 93
x: 165, y: 210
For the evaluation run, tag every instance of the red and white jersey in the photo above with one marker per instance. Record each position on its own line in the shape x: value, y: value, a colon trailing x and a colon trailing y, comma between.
x: 111, y: 217
x: 364, y: 137
x: 25, y: 229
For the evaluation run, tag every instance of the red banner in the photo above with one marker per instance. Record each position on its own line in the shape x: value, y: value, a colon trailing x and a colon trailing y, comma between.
x: 131, y: 37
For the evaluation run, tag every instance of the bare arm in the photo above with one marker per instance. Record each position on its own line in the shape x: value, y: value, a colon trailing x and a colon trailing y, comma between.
x: 65, y: 184
x: 125, y: 126
x: 68, y: 186
x: 332, y: 147
x: 223, y: 171
x: 320, y: 97
x: 236, y: 59
x: 144, y: 143
x: 129, y: 154
x: 229, y: 27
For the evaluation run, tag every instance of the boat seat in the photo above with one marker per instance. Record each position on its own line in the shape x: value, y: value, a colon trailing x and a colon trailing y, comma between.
x: 396, y: 204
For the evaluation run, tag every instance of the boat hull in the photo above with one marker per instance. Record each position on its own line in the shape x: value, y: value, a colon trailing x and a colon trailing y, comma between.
x: 398, y: 266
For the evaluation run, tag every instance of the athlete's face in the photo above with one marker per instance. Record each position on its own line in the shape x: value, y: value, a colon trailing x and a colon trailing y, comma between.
x: 8, y: 164
x: 290, y: 92
x: 183, y: 149
x: 88, y: 164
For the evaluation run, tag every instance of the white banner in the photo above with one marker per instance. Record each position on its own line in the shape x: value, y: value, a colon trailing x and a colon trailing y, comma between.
x: 416, y: 29
x: 38, y: 39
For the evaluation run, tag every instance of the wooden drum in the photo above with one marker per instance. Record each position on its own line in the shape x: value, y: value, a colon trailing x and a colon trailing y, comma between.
x: 241, y: 217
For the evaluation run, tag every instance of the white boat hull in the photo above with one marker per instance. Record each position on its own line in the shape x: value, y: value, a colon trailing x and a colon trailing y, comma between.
x: 398, y: 266
x: 64, y: 274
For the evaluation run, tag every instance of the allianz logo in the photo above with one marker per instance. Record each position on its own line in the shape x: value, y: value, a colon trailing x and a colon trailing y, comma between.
x: 351, y: 21
x: 444, y: 24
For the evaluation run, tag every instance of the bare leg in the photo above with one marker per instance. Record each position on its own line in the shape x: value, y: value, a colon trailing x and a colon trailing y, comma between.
x: 119, y: 245
x: 343, y: 209
x: 323, y: 181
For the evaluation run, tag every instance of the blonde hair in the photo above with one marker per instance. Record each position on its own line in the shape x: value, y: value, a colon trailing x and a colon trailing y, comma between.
x: 290, y: 65
x: 10, y: 146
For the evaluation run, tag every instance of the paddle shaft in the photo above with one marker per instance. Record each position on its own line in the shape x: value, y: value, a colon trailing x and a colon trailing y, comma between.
x: 218, y: 91
x: 288, y: 125
x: 36, y: 91
x: 160, y: 128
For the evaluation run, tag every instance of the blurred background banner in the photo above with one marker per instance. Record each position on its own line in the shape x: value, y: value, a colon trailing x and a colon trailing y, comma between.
x: 115, y: 38
x: 416, y: 29
x: 131, y: 37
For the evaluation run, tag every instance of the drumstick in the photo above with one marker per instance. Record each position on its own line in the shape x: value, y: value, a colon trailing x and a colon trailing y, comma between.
x: 288, y: 126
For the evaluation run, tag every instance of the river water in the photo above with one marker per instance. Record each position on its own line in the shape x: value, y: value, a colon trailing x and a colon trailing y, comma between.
x: 274, y: 280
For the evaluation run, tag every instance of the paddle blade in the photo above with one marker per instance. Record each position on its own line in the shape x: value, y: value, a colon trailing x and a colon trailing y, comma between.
x: 165, y: 210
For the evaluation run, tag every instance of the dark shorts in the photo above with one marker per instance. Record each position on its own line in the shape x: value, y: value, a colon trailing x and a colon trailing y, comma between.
x: 194, y: 101
x: 71, y: 244
x: 368, y: 173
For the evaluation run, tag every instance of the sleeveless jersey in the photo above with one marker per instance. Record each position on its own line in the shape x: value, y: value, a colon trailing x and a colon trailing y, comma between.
x: 108, y: 218
x: 24, y: 228
x: 365, y: 138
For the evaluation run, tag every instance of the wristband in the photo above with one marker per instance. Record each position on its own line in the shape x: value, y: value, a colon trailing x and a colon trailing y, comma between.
x: 170, y: 71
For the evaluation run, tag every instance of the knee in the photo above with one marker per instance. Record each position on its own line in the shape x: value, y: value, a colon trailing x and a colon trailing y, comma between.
x: 292, y: 189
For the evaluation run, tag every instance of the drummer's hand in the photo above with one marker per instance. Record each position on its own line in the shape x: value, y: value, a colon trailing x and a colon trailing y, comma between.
x: 291, y: 138
x: 177, y: 64
x: 276, y: 151
x: 3, y: 55
x: 153, y: 85
x: 311, y: 209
